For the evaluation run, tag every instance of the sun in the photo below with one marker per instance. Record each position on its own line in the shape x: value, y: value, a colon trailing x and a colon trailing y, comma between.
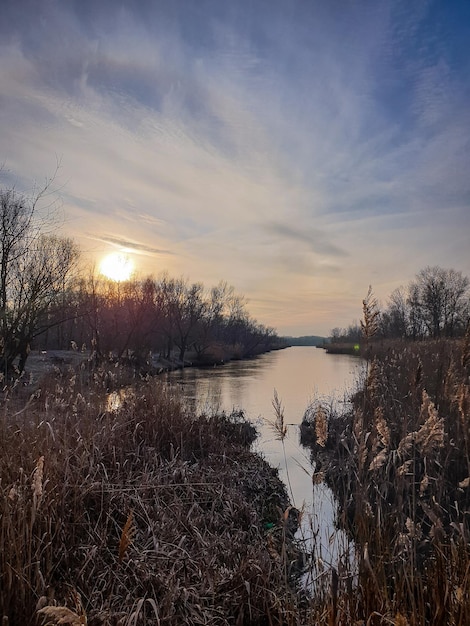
x: 117, y: 266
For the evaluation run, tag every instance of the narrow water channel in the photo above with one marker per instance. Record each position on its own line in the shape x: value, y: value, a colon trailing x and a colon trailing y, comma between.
x: 300, y: 376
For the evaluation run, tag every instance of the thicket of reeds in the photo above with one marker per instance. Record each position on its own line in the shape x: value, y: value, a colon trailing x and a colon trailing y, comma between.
x: 399, y: 462
x: 130, y: 510
x: 126, y: 508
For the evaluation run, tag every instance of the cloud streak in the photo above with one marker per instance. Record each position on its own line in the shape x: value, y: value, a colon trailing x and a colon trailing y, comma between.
x: 314, y: 239
x: 129, y: 246
x: 298, y: 150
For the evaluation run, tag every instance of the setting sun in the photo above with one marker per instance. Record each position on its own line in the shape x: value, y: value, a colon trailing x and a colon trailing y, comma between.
x: 117, y: 266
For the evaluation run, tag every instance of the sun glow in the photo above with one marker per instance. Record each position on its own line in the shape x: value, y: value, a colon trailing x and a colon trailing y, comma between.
x: 117, y: 266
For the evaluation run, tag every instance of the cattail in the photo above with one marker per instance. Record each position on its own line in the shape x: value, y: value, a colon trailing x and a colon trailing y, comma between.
x: 362, y: 455
x: 382, y: 427
x: 379, y: 460
x: 321, y: 426
x: 358, y: 424
x: 36, y: 485
x: 373, y: 380
x: 279, y: 425
x: 431, y: 434
x: 127, y: 536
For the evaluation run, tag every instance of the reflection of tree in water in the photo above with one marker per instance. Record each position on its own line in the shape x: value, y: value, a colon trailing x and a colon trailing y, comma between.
x: 248, y: 385
x: 212, y: 390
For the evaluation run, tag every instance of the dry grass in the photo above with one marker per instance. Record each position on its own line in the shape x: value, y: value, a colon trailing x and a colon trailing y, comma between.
x: 128, y: 509
x: 399, y: 462
x: 135, y: 512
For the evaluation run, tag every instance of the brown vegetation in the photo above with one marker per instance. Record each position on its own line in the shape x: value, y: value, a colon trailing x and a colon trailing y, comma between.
x: 133, y: 511
x: 127, y: 509
x: 399, y: 463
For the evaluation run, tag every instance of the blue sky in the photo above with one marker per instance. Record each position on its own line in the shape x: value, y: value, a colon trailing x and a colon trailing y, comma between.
x: 298, y: 149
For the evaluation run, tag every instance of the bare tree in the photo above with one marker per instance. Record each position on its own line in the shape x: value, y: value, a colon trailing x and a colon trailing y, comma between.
x: 35, y: 268
x: 184, y: 307
x: 395, y: 320
x: 440, y: 300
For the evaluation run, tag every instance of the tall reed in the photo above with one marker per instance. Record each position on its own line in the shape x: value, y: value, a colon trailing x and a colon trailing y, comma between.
x: 136, y: 511
x: 398, y: 461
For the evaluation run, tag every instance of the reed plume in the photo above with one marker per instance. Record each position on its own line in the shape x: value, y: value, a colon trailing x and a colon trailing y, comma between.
x: 37, y: 486
x: 378, y: 460
x: 430, y: 436
x: 321, y: 426
x: 280, y: 427
x: 127, y: 536
x: 371, y: 315
x: 38, y: 473
x: 382, y: 427
x: 61, y: 615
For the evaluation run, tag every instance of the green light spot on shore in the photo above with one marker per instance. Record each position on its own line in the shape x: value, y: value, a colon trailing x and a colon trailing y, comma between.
x: 356, y: 347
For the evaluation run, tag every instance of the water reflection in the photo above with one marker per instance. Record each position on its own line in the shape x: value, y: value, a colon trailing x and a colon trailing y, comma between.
x: 300, y: 375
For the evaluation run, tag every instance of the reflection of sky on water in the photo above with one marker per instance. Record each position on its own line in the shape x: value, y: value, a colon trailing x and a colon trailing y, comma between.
x: 299, y: 375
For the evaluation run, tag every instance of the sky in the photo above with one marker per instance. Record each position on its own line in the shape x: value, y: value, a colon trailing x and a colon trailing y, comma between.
x: 300, y: 150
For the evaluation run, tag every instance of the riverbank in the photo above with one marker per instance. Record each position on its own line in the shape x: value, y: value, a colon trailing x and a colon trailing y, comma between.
x: 139, y: 511
x: 128, y: 368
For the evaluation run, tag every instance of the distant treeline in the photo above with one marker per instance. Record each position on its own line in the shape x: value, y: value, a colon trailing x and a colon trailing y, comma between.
x: 307, y: 340
x: 435, y: 304
x: 171, y: 317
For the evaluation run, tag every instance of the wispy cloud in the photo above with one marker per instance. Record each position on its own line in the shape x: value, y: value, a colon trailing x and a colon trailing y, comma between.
x: 129, y: 245
x: 314, y: 239
x: 299, y: 152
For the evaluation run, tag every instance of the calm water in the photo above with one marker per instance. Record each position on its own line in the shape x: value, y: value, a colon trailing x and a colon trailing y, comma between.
x: 300, y: 375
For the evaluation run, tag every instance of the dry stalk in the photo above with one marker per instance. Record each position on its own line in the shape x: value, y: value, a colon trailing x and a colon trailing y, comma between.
x: 280, y: 427
x: 371, y: 315
x: 127, y: 536
x: 61, y: 615
x: 321, y: 426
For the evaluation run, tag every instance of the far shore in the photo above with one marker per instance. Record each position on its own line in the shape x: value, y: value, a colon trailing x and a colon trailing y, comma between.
x: 41, y: 361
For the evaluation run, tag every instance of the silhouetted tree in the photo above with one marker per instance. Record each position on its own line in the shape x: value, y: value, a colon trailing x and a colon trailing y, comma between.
x: 439, y: 300
x: 395, y: 319
x: 436, y: 303
x: 36, y: 269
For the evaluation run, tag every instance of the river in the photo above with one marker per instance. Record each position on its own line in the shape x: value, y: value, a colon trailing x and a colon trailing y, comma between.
x: 301, y: 376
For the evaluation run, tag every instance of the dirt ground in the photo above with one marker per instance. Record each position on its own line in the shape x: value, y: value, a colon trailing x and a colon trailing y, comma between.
x: 40, y: 363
